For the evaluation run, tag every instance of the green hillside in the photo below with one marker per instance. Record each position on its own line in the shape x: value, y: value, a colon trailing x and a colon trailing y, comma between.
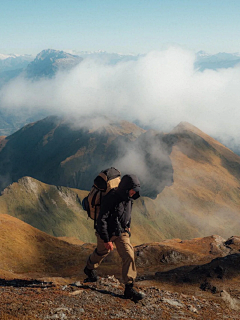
x: 54, y: 210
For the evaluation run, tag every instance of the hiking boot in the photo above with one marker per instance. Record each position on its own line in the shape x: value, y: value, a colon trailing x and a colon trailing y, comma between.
x: 131, y: 293
x: 92, y: 275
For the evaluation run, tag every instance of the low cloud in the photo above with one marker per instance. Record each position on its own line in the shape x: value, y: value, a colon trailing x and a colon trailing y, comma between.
x: 148, y: 158
x: 159, y: 90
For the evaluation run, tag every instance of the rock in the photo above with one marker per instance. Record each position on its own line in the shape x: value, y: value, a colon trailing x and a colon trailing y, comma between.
x: 232, y: 302
x: 233, y: 240
x: 64, y: 287
x: 174, y: 302
x: 173, y: 257
x: 192, y: 309
x: 74, y: 293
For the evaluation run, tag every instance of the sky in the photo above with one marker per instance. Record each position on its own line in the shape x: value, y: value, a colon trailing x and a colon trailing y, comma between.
x: 126, y: 26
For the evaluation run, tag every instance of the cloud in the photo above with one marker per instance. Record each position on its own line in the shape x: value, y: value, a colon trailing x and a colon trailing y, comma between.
x: 160, y: 90
x: 148, y: 158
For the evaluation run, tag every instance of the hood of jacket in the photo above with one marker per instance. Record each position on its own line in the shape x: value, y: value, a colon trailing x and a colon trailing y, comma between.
x: 128, y: 182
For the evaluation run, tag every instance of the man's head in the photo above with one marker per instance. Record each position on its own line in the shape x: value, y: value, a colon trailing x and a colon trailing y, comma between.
x: 129, y: 187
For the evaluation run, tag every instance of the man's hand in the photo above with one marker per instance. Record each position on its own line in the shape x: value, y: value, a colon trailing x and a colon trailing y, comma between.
x: 108, y: 245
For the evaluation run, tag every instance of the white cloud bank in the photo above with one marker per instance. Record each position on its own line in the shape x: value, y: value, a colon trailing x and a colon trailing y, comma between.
x: 160, y: 89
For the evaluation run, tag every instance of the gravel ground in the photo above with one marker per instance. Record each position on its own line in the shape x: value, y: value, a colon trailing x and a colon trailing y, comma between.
x: 104, y: 300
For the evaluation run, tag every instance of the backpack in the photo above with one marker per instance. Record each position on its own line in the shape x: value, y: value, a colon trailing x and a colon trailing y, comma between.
x: 107, y: 180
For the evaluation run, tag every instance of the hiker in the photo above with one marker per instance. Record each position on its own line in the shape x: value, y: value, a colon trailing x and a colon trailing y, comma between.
x: 113, y: 225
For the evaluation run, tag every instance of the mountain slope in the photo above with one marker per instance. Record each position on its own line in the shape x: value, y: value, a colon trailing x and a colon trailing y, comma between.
x: 58, y: 211
x: 25, y: 249
x: 43, y: 278
x: 190, y: 181
x: 54, y: 210
x: 205, y: 192
x: 59, y: 152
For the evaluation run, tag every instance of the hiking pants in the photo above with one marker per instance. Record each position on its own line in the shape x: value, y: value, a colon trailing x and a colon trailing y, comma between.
x: 125, y: 251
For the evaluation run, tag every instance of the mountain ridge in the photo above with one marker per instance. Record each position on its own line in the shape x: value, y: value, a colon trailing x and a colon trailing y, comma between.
x: 190, y: 182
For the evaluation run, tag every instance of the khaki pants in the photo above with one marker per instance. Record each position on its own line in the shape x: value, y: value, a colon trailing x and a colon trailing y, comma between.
x: 125, y: 250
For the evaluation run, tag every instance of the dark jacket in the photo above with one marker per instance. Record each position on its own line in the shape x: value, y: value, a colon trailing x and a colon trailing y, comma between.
x: 116, y: 208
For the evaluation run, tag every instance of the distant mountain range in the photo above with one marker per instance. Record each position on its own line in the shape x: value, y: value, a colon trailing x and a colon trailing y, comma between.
x: 190, y: 182
x: 13, y: 62
x: 48, y: 62
x: 220, y: 60
x: 12, y: 66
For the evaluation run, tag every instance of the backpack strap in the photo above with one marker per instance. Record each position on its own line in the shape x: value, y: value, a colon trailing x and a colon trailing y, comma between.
x: 96, y: 207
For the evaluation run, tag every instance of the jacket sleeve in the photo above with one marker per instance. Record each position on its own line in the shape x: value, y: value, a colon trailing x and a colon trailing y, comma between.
x: 103, y: 219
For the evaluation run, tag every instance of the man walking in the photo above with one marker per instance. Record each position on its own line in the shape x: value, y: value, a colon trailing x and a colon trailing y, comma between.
x: 113, y: 225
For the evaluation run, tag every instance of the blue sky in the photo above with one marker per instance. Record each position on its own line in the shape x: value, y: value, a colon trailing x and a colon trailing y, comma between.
x: 133, y: 26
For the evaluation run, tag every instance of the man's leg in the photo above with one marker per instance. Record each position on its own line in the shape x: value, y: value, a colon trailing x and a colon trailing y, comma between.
x: 129, y: 272
x: 126, y: 252
x: 95, y: 259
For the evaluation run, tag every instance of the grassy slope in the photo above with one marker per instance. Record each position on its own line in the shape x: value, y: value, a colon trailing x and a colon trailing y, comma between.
x: 25, y: 249
x: 56, y: 211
